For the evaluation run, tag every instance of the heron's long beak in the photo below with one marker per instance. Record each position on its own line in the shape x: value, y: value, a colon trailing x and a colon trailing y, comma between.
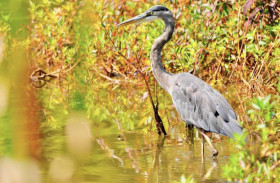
x: 138, y: 19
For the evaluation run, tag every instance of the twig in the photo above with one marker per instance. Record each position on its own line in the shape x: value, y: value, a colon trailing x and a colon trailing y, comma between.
x: 41, y: 77
x: 275, y: 165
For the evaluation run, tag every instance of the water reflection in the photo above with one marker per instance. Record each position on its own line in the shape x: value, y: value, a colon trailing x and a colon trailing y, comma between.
x: 149, y: 158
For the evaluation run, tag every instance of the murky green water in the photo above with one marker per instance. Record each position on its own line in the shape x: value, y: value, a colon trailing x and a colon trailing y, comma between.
x: 148, y: 158
x: 97, y: 141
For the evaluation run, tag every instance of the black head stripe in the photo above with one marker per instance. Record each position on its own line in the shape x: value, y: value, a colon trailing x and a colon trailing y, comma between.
x: 158, y: 8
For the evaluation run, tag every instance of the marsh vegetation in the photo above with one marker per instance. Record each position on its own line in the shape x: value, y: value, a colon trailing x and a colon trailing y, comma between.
x: 74, y: 91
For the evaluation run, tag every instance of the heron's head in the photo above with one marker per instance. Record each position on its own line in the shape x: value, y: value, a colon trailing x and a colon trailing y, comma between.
x: 155, y: 12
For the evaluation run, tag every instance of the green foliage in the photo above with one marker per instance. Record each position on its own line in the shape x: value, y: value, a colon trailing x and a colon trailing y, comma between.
x: 258, y: 162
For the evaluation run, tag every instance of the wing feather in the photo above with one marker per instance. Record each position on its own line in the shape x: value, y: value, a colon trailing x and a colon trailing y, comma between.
x: 200, y: 105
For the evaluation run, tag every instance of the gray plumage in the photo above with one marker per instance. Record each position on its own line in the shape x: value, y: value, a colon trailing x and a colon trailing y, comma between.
x: 202, y: 106
x: 196, y: 101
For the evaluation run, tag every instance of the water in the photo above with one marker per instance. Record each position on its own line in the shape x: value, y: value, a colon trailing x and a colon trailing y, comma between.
x: 139, y: 157
x: 136, y: 157
x: 98, y: 144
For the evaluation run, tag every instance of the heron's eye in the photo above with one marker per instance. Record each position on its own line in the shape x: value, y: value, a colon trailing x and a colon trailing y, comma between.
x: 150, y: 13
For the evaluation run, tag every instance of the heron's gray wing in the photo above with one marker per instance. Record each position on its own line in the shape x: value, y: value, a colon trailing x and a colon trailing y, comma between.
x: 200, y: 105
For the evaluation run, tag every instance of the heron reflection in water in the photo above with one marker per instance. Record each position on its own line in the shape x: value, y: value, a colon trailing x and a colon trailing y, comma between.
x: 196, y: 101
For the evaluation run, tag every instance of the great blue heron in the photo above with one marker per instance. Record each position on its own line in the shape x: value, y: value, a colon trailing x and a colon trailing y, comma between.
x: 195, y: 100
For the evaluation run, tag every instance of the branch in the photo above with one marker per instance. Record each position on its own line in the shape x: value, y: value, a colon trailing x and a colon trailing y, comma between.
x: 40, y: 78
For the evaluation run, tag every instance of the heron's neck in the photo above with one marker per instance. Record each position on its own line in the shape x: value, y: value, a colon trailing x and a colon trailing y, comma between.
x: 163, y: 77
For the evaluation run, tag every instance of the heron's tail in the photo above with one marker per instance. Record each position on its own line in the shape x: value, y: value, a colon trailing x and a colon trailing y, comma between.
x: 231, y: 127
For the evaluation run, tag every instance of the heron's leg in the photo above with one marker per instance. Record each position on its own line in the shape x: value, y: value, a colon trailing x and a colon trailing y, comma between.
x: 190, y: 133
x: 202, y: 145
x: 202, y: 148
x: 215, y: 152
